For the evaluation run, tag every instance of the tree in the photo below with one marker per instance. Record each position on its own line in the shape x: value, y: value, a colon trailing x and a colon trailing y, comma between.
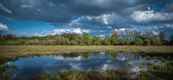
x: 107, y: 40
x: 162, y: 36
x: 157, y: 41
x: 171, y: 40
x: 138, y: 41
x: 147, y: 42
x: 96, y: 40
x: 132, y: 37
x: 86, y: 38
x: 132, y: 34
x: 127, y: 36
x: 33, y: 42
x: 149, y: 35
x: 126, y: 42
x: 136, y: 34
x: 114, y: 39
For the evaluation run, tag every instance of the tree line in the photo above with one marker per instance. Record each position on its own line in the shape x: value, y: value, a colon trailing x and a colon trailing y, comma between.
x: 129, y: 38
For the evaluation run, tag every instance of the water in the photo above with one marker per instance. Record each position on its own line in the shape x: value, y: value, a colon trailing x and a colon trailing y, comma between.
x: 97, y: 62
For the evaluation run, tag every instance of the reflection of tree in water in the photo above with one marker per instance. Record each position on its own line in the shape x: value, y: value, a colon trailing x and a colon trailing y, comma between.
x: 131, y: 62
x: 86, y: 55
x: 113, y: 55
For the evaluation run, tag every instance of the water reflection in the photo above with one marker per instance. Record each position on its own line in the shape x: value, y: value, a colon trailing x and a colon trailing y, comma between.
x: 99, y: 62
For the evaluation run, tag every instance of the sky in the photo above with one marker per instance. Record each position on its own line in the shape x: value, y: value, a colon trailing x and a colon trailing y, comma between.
x: 96, y: 17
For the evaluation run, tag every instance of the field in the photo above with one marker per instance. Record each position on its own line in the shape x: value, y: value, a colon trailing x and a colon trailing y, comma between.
x: 27, y: 50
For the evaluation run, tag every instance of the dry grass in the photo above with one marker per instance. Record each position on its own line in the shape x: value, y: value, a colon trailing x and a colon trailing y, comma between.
x: 67, y: 49
x: 11, y: 52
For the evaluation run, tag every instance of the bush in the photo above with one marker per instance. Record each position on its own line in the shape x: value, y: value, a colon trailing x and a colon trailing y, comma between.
x: 138, y: 41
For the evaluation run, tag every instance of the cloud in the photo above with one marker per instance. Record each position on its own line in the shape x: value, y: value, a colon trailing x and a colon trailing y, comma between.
x: 107, y: 20
x: 27, y: 6
x: 3, y: 8
x: 169, y: 26
x: 3, y: 27
x: 78, y: 58
x: 151, y: 16
x: 155, y: 32
x: 72, y: 30
x: 104, y: 19
x: 98, y: 16
x: 62, y: 11
x: 123, y: 30
x: 56, y: 32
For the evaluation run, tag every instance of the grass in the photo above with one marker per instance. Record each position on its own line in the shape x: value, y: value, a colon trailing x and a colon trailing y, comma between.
x: 11, y: 51
x: 76, y: 75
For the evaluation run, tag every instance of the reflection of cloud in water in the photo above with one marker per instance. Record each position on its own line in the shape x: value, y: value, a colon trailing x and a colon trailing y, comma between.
x: 137, y: 69
x: 129, y: 62
x: 68, y: 58
x: 102, y: 53
x: 105, y: 67
x: 125, y: 56
x: 75, y: 66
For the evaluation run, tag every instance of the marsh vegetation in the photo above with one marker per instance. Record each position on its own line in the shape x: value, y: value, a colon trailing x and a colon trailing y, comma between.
x: 87, y: 66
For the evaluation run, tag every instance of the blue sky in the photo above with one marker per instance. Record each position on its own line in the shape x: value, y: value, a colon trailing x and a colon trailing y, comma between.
x: 97, y: 17
x: 26, y: 27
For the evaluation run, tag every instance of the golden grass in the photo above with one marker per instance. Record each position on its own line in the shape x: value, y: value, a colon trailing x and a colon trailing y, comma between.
x: 11, y: 52
x: 68, y: 49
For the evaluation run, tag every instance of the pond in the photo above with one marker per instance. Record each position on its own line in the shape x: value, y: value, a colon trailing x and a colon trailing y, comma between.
x: 131, y: 63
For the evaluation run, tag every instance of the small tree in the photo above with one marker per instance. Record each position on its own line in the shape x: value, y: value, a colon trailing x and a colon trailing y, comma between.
x: 96, y: 40
x: 86, y: 38
x: 171, y: 40
x: 147, y: 42
x: 162, y: 36
x: 114, y: 39
x: 149, y: 35
x: 138, y: 41
x: 127, y: 42
x: 157, y: 41
x: 107, y: 40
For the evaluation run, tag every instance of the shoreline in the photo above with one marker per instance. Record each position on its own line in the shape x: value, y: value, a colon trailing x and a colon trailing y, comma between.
x: 13, y: 52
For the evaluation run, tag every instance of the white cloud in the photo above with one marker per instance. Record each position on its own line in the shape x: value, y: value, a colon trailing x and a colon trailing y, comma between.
x: 123, y: 30
x: 2, y: 7
x: 78, y: 58
x: 58, y: 32
x: 72, y: 30
x: 3, y: 27
x: 101, y: 35
x: 169, y: 25
x: 155, y: 32
x: 26, y: 6
x: 150, y: 15
x: 75, y: 22
x: 105, y: 19
x: 109, y: 27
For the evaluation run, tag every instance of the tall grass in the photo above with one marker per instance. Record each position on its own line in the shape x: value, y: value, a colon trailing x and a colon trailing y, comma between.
x: 11, y: 52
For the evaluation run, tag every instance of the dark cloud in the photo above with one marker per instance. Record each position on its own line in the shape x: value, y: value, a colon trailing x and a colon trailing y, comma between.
x: 64, y: 10
x: 98, y: 15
